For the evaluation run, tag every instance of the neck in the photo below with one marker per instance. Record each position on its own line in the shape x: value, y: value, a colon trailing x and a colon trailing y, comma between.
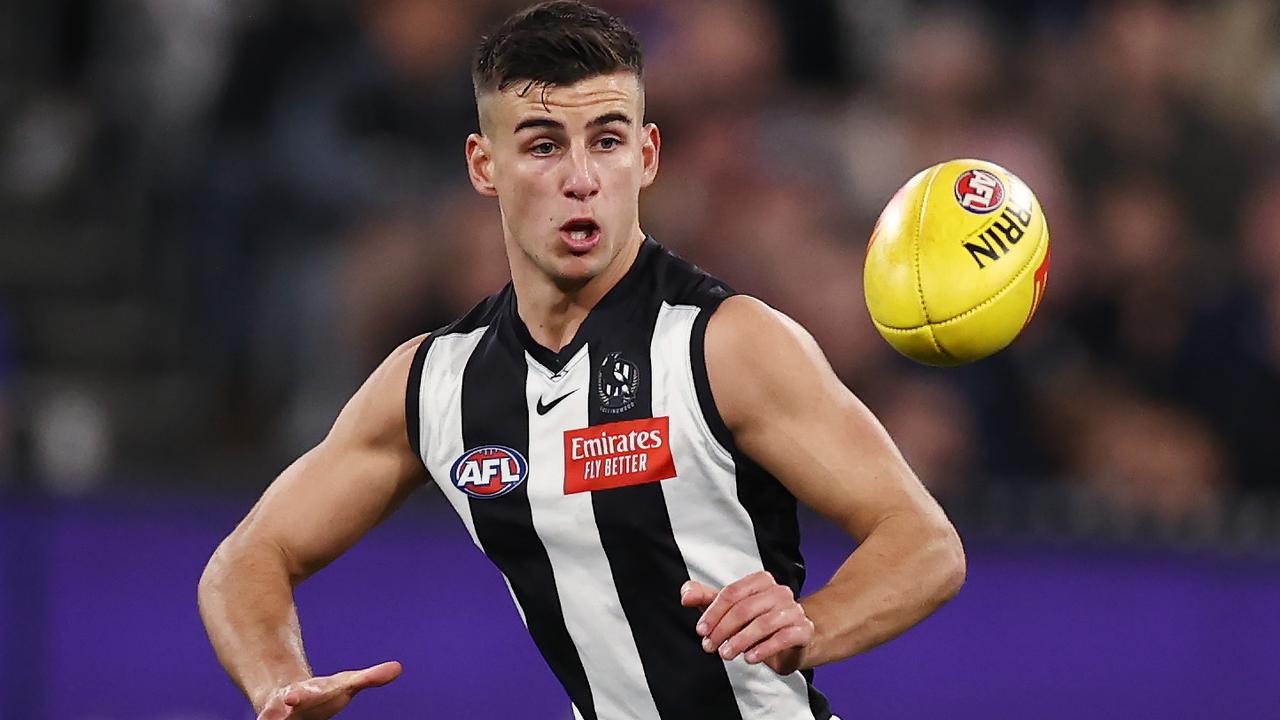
x: 553, y: 312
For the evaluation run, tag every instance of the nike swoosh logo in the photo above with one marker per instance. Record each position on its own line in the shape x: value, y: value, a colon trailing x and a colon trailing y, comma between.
x: 544, y: 409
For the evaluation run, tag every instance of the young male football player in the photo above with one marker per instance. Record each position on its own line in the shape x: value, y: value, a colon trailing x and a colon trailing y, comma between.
x: 623, y: 435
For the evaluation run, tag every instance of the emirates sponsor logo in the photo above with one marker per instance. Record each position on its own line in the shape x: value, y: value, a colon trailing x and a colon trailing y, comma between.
x: 631, y: 452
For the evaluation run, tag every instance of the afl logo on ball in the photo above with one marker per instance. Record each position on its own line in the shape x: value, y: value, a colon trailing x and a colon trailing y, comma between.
x: 979, y: 191
x: 489, y: 471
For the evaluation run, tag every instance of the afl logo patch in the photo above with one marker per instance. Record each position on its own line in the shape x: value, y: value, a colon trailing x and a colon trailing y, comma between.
x: 489, y: 471
x: 979, y: 191
x: 618, y: 383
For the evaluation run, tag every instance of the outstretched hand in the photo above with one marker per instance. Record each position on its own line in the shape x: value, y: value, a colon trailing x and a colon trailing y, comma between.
x: 320, y: 698
x: 755, y: 616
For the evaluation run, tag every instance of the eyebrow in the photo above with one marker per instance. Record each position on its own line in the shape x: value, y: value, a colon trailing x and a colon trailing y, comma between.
x: 610, y: 118
x: 539, y: 123
x: 557, y: 125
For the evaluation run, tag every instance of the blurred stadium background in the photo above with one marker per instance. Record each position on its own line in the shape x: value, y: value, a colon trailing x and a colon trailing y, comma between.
x: 217, y: 216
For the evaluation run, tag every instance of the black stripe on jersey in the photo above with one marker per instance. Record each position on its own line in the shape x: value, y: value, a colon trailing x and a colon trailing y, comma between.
x: 819, y: 705
x: 771, y: 506
x: 479, y: 316
x: 701, y: 383
x: 494, y: 411
x: 413, y: 396
x: 773, y: 514
x: 648, y: 569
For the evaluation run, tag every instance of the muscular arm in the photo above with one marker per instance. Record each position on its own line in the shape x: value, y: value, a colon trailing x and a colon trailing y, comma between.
x: 788, y: 411
x: 316, y: 509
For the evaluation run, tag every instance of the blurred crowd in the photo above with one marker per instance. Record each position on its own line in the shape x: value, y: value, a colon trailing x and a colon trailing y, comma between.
x: 217, y: 216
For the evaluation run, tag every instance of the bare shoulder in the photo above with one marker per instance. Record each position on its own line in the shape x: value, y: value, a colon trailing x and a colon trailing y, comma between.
x: 376, y: 413
x: 757, y: 357
x: 358, y: 474
x: 399, y: 362
x: 787, y: 410
x: 740, y: 313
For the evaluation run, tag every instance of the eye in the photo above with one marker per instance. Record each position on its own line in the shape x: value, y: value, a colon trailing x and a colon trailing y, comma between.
x: 609, y: 143
x: 543, y: 148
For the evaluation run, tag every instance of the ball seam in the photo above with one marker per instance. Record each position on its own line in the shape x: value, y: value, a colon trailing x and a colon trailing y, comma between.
x: 1044, y: 231
x: 915, y: 250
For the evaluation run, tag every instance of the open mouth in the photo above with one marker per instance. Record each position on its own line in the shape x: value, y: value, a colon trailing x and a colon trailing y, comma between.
x: 580, y: 234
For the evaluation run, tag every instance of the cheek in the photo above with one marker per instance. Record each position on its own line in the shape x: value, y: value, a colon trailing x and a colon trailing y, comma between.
x: 625, y: 172
x: 631, y: 162
x: 523, y: 192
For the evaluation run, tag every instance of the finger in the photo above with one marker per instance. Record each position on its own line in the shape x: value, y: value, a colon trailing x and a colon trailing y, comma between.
x: 275, y: 709
x: 318, y: 691
x: 762, y: 627
x: 729, y: 596
x: 695, y: 594
x: 376, y: 676
x: 744, y: 612
x: 789, y: 637
x: 303, y: 694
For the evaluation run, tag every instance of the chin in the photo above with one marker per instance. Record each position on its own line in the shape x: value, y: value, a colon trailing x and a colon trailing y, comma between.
x: 587, y: 263
x: 577, y: 269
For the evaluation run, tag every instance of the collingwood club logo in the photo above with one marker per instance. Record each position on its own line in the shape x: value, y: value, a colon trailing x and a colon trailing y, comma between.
x: 618, y: 383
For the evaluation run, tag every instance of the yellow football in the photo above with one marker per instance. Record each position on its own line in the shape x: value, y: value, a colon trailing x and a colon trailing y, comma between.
x: 957, y: 263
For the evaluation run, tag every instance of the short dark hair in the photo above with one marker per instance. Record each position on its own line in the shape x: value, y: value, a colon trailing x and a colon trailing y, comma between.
x: 554, y: 43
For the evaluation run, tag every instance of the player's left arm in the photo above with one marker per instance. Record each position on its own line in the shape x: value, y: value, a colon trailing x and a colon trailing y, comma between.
x: 789, y: 412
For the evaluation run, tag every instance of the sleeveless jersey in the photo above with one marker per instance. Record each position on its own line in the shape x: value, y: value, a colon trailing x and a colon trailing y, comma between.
x: 600, y: 478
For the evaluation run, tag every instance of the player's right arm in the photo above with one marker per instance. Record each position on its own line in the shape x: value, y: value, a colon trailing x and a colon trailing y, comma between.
x: 316, y: 509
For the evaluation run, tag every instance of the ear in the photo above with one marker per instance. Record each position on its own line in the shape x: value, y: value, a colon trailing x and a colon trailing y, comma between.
x: 480, y: 165
x: 650, y: 149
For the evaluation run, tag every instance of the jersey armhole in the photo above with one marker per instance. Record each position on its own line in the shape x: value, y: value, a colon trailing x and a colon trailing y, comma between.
x: 413, y: 396
x: 702, y: 380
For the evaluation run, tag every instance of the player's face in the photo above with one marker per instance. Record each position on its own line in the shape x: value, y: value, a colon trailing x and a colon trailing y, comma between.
x: 567, y: 166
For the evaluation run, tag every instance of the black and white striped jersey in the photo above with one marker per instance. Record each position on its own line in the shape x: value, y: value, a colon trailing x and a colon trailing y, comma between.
x: 600, y: 478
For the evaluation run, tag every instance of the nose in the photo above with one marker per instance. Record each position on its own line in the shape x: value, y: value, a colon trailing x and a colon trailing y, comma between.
x: 583, y: 181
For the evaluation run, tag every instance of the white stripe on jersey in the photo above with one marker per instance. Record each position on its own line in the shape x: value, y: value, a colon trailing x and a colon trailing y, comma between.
x: 712, y: 529
x: 566, y: 523
x: 440, y: 402
x: 440, y: 412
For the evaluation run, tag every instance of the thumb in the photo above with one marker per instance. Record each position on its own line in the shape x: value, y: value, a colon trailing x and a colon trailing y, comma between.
x: 695, y: 594
x: 376, y: 676
x: 320, y: 690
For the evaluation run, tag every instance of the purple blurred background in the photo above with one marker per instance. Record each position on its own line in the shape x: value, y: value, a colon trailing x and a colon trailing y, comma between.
x: 110, y: 631
x: 216, y: 216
